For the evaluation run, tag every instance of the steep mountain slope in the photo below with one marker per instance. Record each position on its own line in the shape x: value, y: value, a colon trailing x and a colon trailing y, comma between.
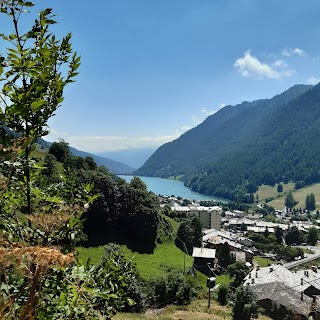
x: 285, y: 147
x: 218, y: 134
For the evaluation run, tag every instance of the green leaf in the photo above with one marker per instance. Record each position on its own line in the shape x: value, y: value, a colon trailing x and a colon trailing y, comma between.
x: 28, y: 4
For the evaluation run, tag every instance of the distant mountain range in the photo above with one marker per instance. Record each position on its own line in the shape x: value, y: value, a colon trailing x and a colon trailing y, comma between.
x: 132, y: 157
x: 113, y: 166
x: 244, y: 146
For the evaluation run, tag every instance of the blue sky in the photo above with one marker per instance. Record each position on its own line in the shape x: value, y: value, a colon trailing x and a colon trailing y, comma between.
x: 153, y: 69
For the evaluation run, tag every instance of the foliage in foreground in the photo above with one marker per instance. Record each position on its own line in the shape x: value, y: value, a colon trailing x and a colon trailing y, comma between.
x: 42, y: 218
x: 245, y: 304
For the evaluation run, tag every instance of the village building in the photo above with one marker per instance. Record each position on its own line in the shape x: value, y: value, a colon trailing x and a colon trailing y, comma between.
x: 276, y: 285
x: 204, y: 259
x: 215, y: 239
x: 210, y: 217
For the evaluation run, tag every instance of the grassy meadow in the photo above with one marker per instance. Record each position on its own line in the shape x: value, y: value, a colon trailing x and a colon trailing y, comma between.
x: 263, y: 262
x: 267, y: 192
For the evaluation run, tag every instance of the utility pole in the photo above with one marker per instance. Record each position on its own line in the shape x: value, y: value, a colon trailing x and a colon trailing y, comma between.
x: 184, y: 255
x: 211, y: 281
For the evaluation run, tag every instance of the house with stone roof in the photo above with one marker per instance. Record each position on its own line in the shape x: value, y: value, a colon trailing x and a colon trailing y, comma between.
x: 276, y: 286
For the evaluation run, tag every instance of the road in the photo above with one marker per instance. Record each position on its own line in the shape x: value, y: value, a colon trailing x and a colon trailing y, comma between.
x: 310, y: 257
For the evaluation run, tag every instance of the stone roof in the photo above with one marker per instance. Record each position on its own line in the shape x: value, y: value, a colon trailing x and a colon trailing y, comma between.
x: 283, y: 295
x: 298, y: 281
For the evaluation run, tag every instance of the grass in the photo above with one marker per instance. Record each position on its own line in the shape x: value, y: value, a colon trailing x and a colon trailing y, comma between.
x: 266, y: 192
x: 300, y: 195
x: 224, y: 278
x: 197, y: 310
x: 165, y: 255
x: 94, y: 253
x: 263, y: 262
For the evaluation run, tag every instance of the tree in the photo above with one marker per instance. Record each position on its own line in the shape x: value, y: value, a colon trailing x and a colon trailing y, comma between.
x: 280, y: 188
x: 245, y: 304
x: 290, y: 202
x: 222, y: 295
x: 238, y: 270
x: 60, y: 150
x: 224, y: 255
x: 294, y: 236
x: 50, y: 170
x: 34, y: 73
x: 310, y: 202
x: 278, y: 235
x: 189, y: 234
x: 90, y: 163
x: 312, y: 237
x: 197, y: 232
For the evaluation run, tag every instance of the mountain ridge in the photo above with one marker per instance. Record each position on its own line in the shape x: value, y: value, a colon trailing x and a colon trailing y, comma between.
x: 232, y: 151
x: 113, y: 166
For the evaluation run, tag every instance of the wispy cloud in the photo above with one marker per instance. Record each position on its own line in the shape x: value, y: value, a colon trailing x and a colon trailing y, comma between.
x: 116, y: 143
x: 208, y: 112
x: 292, y: 52
x: 313, y: 80
x: 251, y: 66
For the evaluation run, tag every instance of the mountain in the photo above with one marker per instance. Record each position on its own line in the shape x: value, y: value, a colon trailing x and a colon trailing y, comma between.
x: 132, y: 157
x: 244, y: 146
x: 113, y: 166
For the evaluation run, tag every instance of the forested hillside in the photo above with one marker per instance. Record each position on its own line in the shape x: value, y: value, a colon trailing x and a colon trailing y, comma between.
x: 244, y: 146
x: 113, y: 166
x: 218, y: 134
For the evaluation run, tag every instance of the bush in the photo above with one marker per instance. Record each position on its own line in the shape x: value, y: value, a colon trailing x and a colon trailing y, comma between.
x: 245, y: 304
x: 173, y: 287
x: 222, y: 295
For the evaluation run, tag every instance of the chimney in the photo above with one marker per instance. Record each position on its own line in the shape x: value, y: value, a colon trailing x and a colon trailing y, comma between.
x: 250, y: 275
x: 256, y: 274
x: 301, y: 281
x: 252, y: 281
x: 258, y: 267
x: 301, y: 295
x: 271, y: 268
x: 307, y: 273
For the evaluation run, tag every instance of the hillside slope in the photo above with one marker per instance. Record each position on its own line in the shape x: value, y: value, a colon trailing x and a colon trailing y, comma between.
x: 284, y: 148
x: 218, y: 134
x: 263, y: 142
x: 113, y: 166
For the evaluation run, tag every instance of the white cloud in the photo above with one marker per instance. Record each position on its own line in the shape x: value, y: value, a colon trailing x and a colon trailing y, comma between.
x: 313, y: 80
x: 112, y: 143
x: 249, y: 65
x: 280, y: 63
x: 208, y: 112
x: 292, y: 52
x: 116, y: 143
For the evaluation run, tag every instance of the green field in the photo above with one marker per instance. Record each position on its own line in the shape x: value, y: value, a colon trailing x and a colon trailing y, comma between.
x: 266, y: 192
x: 263, y: 262
x: 300, y: 195
x: 166, y: 254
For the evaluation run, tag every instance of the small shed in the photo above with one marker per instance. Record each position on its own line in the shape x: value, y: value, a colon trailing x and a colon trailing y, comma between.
x: 203, y: 257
